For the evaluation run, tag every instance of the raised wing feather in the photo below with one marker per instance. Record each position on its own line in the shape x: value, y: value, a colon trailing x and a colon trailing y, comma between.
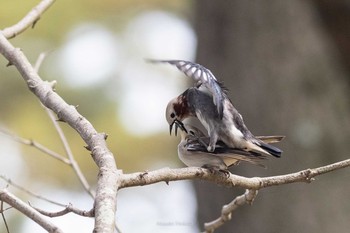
x: 202, y: 76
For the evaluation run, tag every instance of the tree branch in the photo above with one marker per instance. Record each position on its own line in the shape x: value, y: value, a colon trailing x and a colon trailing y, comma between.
x: 10, y: 182
x: 69, y: 209
x: 29, y: 20
x: 226, y: 212
x: 31, y: 213
x: 30, y: 142
x: 251, y: 184
x: 107, y: 185
x: 256, y: 183
x: 73, y: 163
x: 3, y: 216
x: 63, y: 138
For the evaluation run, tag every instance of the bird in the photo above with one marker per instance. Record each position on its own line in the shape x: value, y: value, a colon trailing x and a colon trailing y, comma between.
x: 193, y: 154
x: 209, y: 102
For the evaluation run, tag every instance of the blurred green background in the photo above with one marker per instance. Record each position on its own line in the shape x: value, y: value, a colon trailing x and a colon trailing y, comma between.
x: 286, y: 64
x: 98, y: 95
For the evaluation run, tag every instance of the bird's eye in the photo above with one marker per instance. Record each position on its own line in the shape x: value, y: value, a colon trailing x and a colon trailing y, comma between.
x: 191, y: 132
x: 172, y: 115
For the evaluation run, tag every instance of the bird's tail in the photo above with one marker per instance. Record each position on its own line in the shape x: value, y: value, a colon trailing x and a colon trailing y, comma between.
x: 261, y: 145
x: 270, y: 139
x: 271, y: 149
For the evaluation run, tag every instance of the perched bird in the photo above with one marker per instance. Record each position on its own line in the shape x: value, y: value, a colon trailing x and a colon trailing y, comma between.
x: 208, y: 101
x: 193, y: 154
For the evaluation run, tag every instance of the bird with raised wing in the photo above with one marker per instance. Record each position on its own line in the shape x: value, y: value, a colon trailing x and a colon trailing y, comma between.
x: 208, y: 101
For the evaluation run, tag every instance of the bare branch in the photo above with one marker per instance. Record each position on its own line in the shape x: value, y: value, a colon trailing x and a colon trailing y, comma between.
x: 3, y: 216
x: 29, y: 20
x: 107, y: 185
x: 167, y: 174
x: 226, y: 212
x: 39, y: 61
x: 69, y: 153
x: 36, y: 145
x: 69, y: 209
x: 10, y: 182
x: 251, y: 184
x: 31, y: 213
x: 63, y: 138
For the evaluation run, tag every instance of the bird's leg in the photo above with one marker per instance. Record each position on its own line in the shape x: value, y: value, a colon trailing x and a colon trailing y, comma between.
x: 225, y: 172
x: 202, y: 142
x: 212, y: 169
x: 212, y: 142
x: 216, y: 169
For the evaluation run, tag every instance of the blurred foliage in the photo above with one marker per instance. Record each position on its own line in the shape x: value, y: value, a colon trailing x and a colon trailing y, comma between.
x: 22, y: 114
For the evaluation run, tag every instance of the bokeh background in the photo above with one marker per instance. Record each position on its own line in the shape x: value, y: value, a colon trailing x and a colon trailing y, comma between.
x: 286, y: 64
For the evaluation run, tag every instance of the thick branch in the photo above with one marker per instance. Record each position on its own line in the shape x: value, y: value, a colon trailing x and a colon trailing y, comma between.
x: 31, y: 213
x: 167, y: 174
x: 105, y: 201
x: 29, y: 20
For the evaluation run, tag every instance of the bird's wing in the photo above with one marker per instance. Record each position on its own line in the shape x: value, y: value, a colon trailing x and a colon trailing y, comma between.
x: 228, y: 154
x: 199, y: 145
x: 270, y: 139
x: 203, y: 77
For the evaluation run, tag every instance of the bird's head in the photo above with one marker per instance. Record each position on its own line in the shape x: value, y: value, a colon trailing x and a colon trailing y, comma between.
x: 176, y: 111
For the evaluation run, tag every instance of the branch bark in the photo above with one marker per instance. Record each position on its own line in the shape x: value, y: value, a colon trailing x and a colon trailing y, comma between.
x: 256, y: 183
x: 68, y: 209
x: 29, y: 20
x: 251, y: 184
x: 226, y: 212
x: 30, y: 212
x: 107, y: 186
x: 106, y: 192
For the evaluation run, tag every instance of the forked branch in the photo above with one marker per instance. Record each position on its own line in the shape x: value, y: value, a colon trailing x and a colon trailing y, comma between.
x: 30, y: 212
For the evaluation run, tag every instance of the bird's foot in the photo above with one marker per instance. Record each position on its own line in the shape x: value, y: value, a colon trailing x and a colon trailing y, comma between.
x: 226, y: 173
x: 216, y: 170
x: 210, y: 148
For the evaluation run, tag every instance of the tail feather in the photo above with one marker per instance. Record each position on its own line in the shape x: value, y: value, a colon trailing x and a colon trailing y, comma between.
x: 270, y: 139
x: 271, y: 149
x: 263, y: 148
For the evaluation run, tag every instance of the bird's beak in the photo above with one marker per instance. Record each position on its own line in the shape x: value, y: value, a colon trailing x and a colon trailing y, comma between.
x: 179, y: 124
x: 171, y: 127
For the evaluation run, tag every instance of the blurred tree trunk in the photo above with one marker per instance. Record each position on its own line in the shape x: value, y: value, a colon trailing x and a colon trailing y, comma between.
x: 285, y: 77
x: 335, y: 16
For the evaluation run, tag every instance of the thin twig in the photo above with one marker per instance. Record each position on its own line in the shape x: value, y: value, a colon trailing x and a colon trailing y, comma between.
x: 69, y: 153
x: 226, y: 212
x: 31, y: 213
x: 40, y: 147
x: 3, y: 217
x: 10, y: 182
x: 29, y: 20
x: 39, y: 61
x: 68, y: 209
x: 63, y: 138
